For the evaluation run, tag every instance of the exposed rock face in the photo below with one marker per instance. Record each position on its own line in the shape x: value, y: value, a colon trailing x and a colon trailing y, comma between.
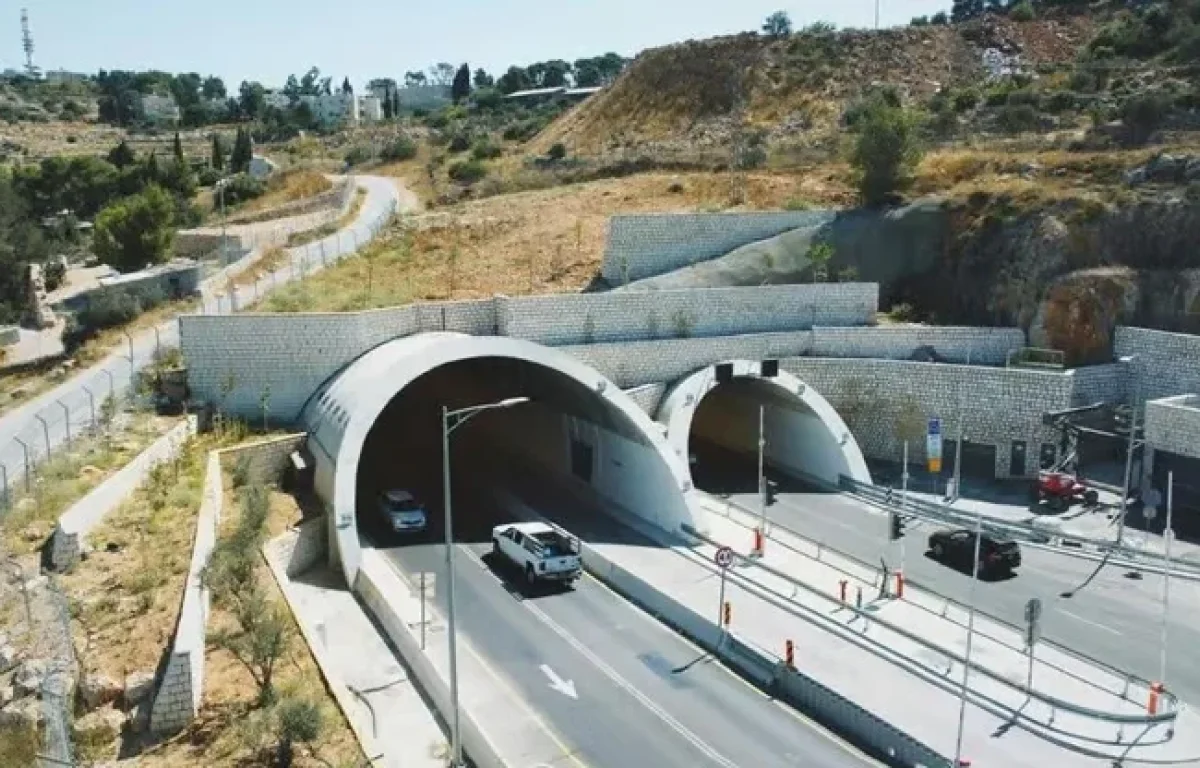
x: 98, y: 690
x: 138, y: 688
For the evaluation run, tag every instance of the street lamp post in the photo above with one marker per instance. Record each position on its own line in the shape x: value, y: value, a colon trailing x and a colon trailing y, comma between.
x: 762, y: 478
x: 1166, y: 596
x: 962, y: 704
x: 452, y: 420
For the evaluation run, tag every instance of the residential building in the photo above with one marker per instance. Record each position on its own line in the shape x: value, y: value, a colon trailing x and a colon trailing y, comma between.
x: 424, y: 96
x: 63, y: 76
x: 370, y: 108
x: 538, y: 95
x: 160, y: 109
x: 332, y: 109
x: 277, y: 99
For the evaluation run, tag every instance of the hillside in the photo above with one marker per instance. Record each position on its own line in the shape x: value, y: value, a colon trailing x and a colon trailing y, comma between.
x: 690, y: 94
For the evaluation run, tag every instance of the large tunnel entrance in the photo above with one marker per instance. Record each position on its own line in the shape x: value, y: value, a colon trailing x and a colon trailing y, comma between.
x: 575, y: 450
x: 718, y: 424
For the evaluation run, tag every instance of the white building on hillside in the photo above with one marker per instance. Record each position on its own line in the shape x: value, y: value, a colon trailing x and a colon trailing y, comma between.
x: 276, y: 99
x: 160, y: 109
x: 63, y: 76
x: 333, y: 109
x: 370, y: 109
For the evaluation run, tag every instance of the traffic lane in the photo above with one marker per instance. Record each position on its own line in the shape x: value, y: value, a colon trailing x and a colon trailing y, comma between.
x: 1114, y: 619
x: 604, y: 725
x: 736, y: 719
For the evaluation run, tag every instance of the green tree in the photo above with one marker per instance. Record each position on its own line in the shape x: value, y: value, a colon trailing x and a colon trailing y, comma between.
x: 178, y: 147
x: 512, y: 81
x: 136, y: 231
x: 460, y: 89
x: 819, y: 255
x: 885, y: 151
x: 218, y: 152
x: 482, y: 79
x: 300, y: 722
x: 252, y: 99
x: 213, y: 88
x: 1143, y: 114
x: 122, y: 156
x: 243, y: 152
x: 346, y: 87
x: 778, y: 24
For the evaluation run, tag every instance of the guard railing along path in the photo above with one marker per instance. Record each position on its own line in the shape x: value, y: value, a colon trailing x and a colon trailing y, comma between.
x: 33, y: 432
x: 957, y: 518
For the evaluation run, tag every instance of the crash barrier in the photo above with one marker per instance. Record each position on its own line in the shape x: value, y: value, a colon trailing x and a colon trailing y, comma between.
x: 1125, y: 684
x: 757, y: 665
x: 958, y: 518
x: 377, y: 580
x: 1168, y: 715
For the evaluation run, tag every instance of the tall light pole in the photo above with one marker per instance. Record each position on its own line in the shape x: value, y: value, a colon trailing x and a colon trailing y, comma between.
x: 1166, y: 595
x: 224, y: 242
x: 452, y: 420
x: 962, y: 704
x: 1133, y: 417
x: 958, y: 444
x: 762, y: 478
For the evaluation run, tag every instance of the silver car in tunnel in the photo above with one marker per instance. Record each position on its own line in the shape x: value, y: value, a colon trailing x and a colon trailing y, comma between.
x: 402, y: 511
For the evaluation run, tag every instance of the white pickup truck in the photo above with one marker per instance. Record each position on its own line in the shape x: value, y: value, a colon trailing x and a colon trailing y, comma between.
x: 542, y: 552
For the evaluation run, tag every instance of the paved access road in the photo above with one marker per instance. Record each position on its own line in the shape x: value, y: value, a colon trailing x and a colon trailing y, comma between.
x: 1115, y: 619
x: 50, y: 420
x: 616, y: 687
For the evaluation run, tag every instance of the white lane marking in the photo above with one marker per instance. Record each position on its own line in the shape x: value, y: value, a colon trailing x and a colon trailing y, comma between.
x: 622, y: 683
x: 565, y: 687
x: 1088, y: 621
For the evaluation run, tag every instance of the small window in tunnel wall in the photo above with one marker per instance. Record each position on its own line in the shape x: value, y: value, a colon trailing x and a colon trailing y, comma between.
x: 581, y: 460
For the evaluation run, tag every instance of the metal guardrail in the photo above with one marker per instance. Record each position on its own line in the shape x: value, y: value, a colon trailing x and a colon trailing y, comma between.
x: 1129, y: 679
x: 950, y: 516
x: 1167, y: 715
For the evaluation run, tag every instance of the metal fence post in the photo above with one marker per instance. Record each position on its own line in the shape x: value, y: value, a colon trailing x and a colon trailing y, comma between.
x: 4, y: 484
x: 67, y: 414
x: 45, y: 432
x: 91, y: 404
x: 28, y: 468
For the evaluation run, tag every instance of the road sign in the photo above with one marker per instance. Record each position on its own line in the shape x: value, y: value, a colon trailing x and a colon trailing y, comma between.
x: 933, y: 444
x: 1033, y: 616
x: 724, y: 557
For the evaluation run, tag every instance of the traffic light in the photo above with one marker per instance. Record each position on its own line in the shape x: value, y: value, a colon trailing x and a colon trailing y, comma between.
x: 897, y: 526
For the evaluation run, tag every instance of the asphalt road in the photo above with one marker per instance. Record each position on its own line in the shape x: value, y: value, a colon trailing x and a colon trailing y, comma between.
x: 643, y: 695
x: 43, y: 425
x: 1115, y: 619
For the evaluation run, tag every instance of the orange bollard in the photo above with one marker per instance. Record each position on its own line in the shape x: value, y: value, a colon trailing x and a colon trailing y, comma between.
x: 1152, y: 704
x: 758, y: 542
x: 842, y: 587
x: 728, y: 613
x: 789, y: 653
x: 899, y: 584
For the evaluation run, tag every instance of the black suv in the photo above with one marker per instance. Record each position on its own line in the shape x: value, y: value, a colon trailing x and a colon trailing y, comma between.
x: 996, y: 556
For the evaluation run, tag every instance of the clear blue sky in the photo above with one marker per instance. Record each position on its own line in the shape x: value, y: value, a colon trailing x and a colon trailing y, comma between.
x: 266, y: 40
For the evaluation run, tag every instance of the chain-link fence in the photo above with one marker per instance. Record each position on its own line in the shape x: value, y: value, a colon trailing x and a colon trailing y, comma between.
x: 38, y: 644
x: 35, y: 432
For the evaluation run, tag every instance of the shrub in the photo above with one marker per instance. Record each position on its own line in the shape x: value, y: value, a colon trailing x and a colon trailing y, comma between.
x: 883, y: 95
x: 208, y: 176
x: 135, y: 231
x: 1143, y: 114
x: 53, y: 273
x: 438, y: 120
x: 1058, y: 101
x: 359, y: 154
x: 966, y: 99
x: 485, y: 150
x: 400, y: 148
x: 240, y: 188
x: 1083, y: 81
x: 459, y: 142
x: 299, y: 721
x: 467, y: 171
x: 1015, y: 118
x: 557, y: 152
x: 1022, y: 11
x: 108, y: 309
x: 885, y: 152
x: 940, y: 18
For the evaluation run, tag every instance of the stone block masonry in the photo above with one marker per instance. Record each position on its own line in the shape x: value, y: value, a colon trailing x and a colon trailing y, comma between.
x: 885, y: 402
x: 1107, y: 383
x: 646, y: 245
x: 1166, y: 363
x: 1173, y: 424
x: 982, y: 346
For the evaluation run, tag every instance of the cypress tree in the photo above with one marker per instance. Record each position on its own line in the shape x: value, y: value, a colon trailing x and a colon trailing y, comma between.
x: 218, y: 153
x: 179, y: 158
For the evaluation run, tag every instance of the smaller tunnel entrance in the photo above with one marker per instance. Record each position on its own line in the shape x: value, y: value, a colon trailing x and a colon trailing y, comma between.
x: 717, y: 426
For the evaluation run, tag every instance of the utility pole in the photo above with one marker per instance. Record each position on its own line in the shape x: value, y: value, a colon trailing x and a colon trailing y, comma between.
x: 1133, y: 419
x: 876, y: 15
x: 903, y: 499
x: 958, y: 444
x: 962, y: 704
x: 762, y: 480
x: 1169, y: 535
x: 27, y: 44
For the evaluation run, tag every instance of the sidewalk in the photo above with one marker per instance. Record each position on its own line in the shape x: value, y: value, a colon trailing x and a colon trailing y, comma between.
x: 385, y: 710
x: 908, y: 685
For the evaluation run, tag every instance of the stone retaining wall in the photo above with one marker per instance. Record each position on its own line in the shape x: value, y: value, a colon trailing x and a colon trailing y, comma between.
x: 1165, y: 363
x: 1173, y: 424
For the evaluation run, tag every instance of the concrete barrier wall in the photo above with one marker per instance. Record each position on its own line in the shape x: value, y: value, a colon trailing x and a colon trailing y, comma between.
x: 645, y: 245
x: 648, y: 397
x: 375, y: 585
x: 1173, y: 424
x: 84, y: 515
x: 956, y: 344
x: 1100, y: 384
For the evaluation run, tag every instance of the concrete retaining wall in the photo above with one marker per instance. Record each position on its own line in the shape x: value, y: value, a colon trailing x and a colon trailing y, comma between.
x: 1100, y: 384
x: 379, y: 588
x: 882, y: 401
x: 303, y: 547
x: 645, y: 245
x: 982, y: 346
x: 177, y: 696
x: 648, y: 397
x: 1173, y: 424
x: 84, y: 515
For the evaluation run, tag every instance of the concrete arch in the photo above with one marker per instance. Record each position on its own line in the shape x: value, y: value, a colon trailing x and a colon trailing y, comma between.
x: 817, y: 442
x: 340, y: 416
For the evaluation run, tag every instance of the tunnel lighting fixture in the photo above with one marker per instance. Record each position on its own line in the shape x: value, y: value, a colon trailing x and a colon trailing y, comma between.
x: 601, y: 386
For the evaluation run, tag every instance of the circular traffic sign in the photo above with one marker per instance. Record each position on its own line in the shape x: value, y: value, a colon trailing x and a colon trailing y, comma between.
x: 724, y: 557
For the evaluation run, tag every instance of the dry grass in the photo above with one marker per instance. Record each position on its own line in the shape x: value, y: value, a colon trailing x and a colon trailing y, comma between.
x: 110, y: 339
x: 272, y: 259
x: 325, y: 230
x: 71, y: 474
x: 287, y: 187
x: 546, y: 241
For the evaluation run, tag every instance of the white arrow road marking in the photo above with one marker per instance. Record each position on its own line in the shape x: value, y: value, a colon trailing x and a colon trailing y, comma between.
x: 565, y: 687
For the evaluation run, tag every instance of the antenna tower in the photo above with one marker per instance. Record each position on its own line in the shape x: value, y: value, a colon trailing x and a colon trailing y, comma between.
x: 27, y: 44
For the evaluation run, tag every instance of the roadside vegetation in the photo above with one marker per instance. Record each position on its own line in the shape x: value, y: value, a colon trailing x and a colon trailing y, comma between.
x: 325, y: 230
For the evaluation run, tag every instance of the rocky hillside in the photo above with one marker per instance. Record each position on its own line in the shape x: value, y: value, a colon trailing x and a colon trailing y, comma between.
x: 693, y: 94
